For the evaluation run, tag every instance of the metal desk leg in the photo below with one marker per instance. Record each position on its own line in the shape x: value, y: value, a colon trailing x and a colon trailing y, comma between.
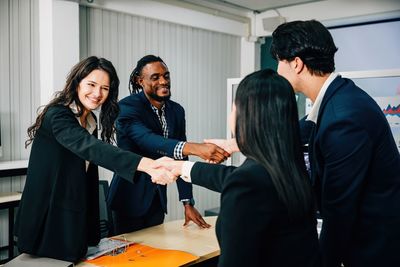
x: 11, y: 233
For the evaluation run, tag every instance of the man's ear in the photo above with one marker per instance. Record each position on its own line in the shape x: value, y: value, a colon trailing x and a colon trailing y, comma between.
x: 139, y: 80
x: 298, y: 65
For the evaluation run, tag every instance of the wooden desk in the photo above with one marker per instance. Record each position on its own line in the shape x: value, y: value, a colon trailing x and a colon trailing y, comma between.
x: 26, y: 260
x: 172, y: 235
x: 9, y: 201
x: 13, y: 168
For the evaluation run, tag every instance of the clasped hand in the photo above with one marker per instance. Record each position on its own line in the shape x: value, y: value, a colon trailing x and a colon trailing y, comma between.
x: 166, y: 170
x: 213, y: 153
x: 163, y: 170
x: 158, y: 173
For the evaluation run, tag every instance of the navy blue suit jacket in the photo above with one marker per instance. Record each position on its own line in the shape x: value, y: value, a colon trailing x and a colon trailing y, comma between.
x: 355, y: 168
x: 139, y: 130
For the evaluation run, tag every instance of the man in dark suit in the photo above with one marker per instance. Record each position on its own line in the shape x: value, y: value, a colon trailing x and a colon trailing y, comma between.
x: 152, y: 125
x: 355, y: 164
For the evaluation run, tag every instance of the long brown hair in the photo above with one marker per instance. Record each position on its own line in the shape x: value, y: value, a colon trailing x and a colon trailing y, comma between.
x: 109, y: 109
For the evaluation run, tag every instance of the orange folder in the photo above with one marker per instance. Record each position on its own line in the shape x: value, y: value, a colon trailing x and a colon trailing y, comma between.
x: 145, y: 256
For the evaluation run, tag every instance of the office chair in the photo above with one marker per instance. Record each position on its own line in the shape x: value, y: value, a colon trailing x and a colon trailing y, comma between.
x: 106, y: 224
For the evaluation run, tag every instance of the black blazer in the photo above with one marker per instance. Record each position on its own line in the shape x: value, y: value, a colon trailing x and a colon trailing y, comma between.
x: 58, y: 212
x: 139, y: 130
x: 355, y: 168
x: 253, y: 227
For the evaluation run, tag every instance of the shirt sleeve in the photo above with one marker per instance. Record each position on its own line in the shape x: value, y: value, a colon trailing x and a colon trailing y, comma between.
x: 186, y: 169
x: 178, y: 150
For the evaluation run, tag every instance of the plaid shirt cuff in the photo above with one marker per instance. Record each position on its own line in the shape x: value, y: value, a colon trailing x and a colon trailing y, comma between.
x: 178, y: 150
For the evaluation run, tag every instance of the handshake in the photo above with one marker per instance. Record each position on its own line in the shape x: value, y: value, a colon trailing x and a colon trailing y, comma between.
x: 166, y: 170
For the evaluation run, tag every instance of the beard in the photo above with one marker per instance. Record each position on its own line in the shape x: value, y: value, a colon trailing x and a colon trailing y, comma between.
x: 160, y: 98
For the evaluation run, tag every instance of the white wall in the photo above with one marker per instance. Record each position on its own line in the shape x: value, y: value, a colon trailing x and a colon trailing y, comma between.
x: 249, y: 56
x: 46, y: 69
x: 65, y: 40
x: 198, y: 18
x: 59, y: 44
x: 175, y: 14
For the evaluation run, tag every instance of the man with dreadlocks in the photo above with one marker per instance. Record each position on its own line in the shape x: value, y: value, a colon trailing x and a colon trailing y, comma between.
x: 152, y: 125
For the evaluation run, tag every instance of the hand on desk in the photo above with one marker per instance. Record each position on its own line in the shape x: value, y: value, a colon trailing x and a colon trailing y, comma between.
x: 191, y: 214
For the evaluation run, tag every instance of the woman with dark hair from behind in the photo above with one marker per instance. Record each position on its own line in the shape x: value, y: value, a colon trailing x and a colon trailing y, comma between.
x: 267, y: 214
x: 58, y: 215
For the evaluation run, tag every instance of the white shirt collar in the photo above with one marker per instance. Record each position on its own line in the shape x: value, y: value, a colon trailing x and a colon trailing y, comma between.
x: 90, y: 121
x: 313, y: 115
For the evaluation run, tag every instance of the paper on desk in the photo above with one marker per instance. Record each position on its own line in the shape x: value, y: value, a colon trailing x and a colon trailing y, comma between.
x: 106, y: 245
x: 145, y: 256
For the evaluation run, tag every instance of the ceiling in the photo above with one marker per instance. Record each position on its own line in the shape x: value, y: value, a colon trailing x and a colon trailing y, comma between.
x: 249, y: 5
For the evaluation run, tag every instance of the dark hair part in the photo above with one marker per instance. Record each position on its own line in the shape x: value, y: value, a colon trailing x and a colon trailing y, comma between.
x: 308, y: 40
x: 109, y: 109
x: 267, y: 130
x: 134, y: 86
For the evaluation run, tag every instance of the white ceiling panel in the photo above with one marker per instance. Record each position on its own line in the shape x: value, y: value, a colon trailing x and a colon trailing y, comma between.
x: 259, y: 5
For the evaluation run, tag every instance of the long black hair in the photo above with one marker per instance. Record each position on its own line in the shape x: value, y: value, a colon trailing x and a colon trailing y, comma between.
x: 308, y: 40
x: 134, y: 86
x: 267, y: 130
x: 109, y: 109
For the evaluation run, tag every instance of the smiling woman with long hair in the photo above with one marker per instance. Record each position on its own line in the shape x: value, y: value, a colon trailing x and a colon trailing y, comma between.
x: 58, y: 215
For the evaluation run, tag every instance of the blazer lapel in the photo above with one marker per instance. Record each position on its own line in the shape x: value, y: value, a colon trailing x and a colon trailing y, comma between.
x: 150, y: 115
x: 311, y: 154
x: 314, y: 168
x: 170, y: 117
x: 313, y: 150
x: 332, y: 88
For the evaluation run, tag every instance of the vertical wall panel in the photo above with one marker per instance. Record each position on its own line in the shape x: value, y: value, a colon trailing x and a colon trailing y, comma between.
x: 4, y: 107
x: 5, y: 78
x: 19, y: 90
x: 200, y: 61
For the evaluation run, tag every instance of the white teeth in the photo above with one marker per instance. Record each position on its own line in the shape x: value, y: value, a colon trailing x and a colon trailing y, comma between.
x: 95, y: 100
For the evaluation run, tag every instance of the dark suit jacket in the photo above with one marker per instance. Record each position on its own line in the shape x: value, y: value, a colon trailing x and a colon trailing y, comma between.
x: 139, y: 130
x: 58, y: 212
x: 253, y: 227
x: 355, y: 168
